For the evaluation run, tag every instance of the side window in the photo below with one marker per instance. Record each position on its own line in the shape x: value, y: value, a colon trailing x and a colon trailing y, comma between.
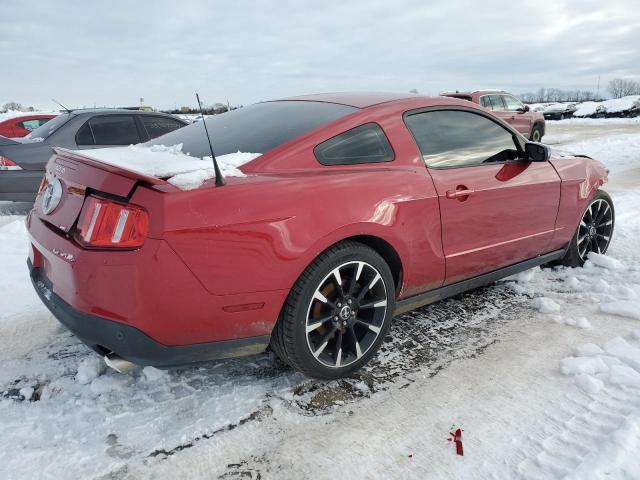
x: 42, y: 121
x: 30, y: 125
x: 485, y: 102
x: 364, y: 144
x: 455, y: 138
x: 114, y: 130
x: 512, y: 104
x: 496, y: 102
x: 157, y: 126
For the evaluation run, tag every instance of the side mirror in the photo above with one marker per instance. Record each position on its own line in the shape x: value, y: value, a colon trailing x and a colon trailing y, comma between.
x: 536, y: 152
x: 526, y: 109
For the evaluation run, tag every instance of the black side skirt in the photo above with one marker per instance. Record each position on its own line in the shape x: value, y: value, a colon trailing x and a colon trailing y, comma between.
x: 422, y: 299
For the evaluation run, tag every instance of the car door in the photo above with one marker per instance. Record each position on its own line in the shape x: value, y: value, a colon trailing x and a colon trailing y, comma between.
x: 108, y: 131
x: 495, y: 208
x: 517, y: 115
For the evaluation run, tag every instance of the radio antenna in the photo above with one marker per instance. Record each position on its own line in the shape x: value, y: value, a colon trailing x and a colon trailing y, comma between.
x: 219, y: 178
x: 65, y: 108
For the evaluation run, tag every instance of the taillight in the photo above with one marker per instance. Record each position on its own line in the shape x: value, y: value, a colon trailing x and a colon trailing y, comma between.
x: 6, y: 164
x: 105, y: 223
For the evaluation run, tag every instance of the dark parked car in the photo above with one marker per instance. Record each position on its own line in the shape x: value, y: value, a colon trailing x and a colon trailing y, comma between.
x: 508, y: 108
x: 23, y: 125
x: 23, y: 161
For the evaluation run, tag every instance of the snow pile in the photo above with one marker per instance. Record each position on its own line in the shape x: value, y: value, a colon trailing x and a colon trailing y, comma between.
x: 545, y: 305
x: 615, y: 105
x: 169, y: 162
x: 89, y: 369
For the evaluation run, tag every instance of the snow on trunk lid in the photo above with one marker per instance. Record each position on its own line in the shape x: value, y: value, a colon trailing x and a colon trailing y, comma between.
x: 68, y: 175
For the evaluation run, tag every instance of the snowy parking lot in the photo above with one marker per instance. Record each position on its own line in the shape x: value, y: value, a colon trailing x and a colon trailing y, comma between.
x: 540, y: 371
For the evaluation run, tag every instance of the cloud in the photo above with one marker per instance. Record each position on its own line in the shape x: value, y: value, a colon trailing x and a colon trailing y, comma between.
x: 112, y: 53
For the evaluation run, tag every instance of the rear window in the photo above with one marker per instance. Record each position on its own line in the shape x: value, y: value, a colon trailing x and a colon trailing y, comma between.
x: 257, y: 128
x: 44, y: 131
x: 157, y: 126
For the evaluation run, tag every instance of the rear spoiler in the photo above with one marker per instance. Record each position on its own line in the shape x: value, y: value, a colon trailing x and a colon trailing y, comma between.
x: 123, y: 172
x: 5, y: 142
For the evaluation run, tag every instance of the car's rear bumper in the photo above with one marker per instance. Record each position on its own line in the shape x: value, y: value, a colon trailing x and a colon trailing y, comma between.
x: 19, y: 185
x: 106, y: 336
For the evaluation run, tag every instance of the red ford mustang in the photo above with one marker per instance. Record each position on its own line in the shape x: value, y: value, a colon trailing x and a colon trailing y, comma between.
x: 360, y: 207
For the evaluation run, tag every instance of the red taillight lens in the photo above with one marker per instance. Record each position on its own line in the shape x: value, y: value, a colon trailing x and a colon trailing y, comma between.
x: 104, y: 223
x: 6, y: 164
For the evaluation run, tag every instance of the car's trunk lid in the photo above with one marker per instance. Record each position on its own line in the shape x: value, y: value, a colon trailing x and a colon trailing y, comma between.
x: 78, y: 176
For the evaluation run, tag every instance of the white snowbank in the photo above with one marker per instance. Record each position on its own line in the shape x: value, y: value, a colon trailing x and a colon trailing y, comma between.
x: 610, y: 106
x: 169, y: 162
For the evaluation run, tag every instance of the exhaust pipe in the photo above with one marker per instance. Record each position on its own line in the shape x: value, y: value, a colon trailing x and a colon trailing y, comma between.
x: 118, y: 363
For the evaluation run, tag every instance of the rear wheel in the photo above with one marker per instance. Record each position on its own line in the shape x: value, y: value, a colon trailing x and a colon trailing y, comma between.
x: 536, y: 133
x: 594, y: 231
x: 337, y: 313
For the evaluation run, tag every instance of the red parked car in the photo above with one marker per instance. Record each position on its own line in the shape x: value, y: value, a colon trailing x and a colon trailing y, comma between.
x: 360, y: 207
x: 23, y: 125
x: 508, y: 108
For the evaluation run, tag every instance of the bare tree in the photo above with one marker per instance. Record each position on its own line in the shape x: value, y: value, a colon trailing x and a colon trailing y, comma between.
x: 11, y: 106
x: 619, y: 87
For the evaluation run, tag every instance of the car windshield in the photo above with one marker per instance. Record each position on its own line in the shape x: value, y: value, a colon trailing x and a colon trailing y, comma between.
x: 257, y: 128
x: 45, y: 131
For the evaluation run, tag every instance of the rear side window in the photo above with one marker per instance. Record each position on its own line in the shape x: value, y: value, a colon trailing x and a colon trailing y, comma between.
x: 109, y: 130
x: 485, y: 102
x: 156, y: 126
x: 456, y: 138
x: 364, y: 144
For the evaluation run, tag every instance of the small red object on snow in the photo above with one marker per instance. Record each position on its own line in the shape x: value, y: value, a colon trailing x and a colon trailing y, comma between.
x: 457, y: 438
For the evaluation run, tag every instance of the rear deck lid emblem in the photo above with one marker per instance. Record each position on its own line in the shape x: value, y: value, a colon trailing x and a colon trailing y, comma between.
x: 51, y: 196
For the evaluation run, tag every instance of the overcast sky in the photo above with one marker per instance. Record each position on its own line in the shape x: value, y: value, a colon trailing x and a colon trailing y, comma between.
x: 114, y: 52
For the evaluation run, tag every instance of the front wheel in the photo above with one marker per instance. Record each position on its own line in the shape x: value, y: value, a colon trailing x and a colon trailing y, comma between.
x: 594, y: 231
x: 337, y: 313
x: 536, y: 133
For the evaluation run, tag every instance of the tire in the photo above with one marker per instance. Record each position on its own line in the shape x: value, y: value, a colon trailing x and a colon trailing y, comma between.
x: 594, y: 231
x: 351, y: 309
x: 536, y: 133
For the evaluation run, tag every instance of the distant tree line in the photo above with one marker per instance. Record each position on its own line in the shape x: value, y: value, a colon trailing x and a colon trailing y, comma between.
x: 15, y: 106
x: 548, y: 95
x: 619, y: 87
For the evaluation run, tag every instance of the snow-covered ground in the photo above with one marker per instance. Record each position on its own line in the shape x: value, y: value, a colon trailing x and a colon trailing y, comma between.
x: 542, y: 372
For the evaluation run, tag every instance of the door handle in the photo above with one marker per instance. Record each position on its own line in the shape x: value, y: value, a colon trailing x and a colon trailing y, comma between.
x: 460, y: 193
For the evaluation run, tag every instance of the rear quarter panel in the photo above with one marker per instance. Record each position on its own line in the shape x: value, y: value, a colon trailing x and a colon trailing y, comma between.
x: 261, y: 237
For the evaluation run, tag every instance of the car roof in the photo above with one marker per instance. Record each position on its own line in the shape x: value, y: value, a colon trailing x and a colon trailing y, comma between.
x: 352, y: 99
x: 115, y: 111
